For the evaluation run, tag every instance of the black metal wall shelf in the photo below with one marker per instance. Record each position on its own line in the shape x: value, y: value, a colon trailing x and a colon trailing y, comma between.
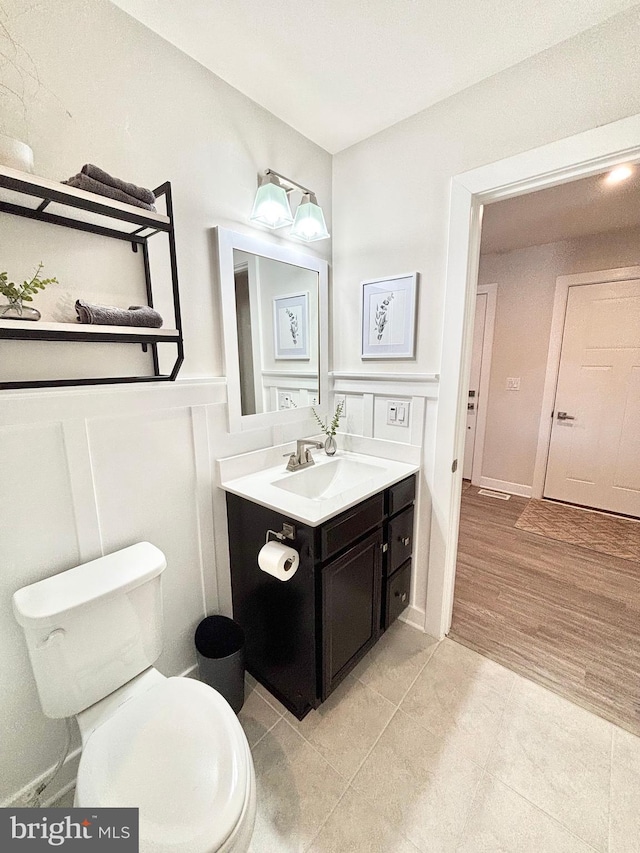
x: 24, y: 330
x: 23, y: 194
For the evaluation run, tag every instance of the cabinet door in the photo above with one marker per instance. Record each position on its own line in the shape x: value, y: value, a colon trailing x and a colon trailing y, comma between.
x: 396, y: 594
x: 400, y: 540
x: 401, y: 495
x: 351, y: 590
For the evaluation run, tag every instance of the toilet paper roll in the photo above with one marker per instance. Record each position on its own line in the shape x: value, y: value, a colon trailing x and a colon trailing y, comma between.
x: 278, y: 560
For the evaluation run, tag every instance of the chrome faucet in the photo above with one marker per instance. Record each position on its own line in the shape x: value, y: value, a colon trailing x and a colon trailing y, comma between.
x: 302, y: 458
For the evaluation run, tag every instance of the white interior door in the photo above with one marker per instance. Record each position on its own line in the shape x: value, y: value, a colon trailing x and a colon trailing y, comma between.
x: 594, y: 455
x: 474, y: 383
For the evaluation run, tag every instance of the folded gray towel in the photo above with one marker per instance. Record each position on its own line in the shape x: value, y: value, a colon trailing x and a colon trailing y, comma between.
x: 107, y: 315
x: 84, y: 182
x: 99, y: 174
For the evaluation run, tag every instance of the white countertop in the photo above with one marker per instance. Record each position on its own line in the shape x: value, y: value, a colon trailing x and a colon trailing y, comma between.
x: 260, y: 487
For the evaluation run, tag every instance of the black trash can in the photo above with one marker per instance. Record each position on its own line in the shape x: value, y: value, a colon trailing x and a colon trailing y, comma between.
x: 220, y: 648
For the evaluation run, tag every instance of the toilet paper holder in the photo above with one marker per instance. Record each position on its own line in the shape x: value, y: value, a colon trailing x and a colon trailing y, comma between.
x: 288, y: 532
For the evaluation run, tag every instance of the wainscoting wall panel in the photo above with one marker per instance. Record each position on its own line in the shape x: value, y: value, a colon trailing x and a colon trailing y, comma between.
x: 88, y: 471
x: 38, y: 538
x: 367, y: 396
x: 146, y: 489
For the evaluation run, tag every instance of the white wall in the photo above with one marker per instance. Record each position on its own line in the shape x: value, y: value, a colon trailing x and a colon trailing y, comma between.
x: 88, y: 471
x: 526, y: 281
x: 392, y: 191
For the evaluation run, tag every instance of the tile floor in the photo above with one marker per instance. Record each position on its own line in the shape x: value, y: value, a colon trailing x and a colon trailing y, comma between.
x: 430, y: 748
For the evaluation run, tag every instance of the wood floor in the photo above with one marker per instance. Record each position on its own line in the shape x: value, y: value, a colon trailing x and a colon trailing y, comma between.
x: 561, y: 615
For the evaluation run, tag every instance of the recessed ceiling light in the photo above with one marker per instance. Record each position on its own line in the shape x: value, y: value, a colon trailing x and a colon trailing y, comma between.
x: 620, y: 173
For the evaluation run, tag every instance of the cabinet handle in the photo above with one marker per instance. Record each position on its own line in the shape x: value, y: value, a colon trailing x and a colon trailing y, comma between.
x: 405, y: 540
x: 384, y: 547
x: 401, y: 595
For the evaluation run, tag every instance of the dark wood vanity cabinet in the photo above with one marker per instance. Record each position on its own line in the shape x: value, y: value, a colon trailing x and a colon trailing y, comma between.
x: 350, y: 615
x: 303, y: 636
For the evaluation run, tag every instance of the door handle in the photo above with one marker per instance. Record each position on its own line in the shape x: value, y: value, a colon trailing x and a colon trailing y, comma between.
x: 405, y: 540
x: 563, y: 416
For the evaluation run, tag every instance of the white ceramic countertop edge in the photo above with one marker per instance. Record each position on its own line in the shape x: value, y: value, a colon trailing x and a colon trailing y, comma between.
x: 257, y: 487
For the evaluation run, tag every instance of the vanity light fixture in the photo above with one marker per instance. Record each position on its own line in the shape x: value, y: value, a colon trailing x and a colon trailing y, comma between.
x: 271, y: 205
x: 271, y: 208
x: 309, y: 224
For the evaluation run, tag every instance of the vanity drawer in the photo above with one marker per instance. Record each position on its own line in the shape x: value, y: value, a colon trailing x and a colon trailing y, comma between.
x: 399, y: 539
x: 339, y: 532
x: 401, y: 495
x: 398, y: 588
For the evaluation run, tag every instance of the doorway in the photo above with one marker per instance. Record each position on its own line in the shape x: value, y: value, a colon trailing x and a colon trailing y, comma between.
x: 549, y: 590
x: 482, y: 348
x: 582, y: 155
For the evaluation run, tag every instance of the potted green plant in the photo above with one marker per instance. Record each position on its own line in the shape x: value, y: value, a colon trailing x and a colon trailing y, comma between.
x: 16, y: 295
x: 329, y: 428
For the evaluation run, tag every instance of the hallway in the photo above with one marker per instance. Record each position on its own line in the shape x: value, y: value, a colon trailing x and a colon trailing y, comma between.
x: 564, y: 616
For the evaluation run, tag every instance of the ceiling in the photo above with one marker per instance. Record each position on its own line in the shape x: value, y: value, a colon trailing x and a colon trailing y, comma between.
x: 576, y: 209
x: 339, y: 71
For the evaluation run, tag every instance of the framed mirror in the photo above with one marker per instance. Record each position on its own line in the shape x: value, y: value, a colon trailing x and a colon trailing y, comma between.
x: 275, y: 326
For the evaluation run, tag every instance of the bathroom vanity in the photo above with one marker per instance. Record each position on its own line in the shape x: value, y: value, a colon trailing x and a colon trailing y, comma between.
x: 304, y: 635
x: 350, y: 517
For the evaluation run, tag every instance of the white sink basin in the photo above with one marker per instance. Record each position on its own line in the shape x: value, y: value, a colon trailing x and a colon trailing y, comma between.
x: 319, y: 492
x: 328, y: 480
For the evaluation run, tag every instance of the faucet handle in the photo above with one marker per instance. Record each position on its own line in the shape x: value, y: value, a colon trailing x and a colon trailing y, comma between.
x: 294, y: 463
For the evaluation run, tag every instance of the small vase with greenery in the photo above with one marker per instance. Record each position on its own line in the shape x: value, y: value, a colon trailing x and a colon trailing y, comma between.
x: 329, y: 428
x: 17, y: 294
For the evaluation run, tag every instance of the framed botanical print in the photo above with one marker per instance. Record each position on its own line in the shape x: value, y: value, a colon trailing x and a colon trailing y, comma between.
x: 389, y: 316
x: 291, y: 326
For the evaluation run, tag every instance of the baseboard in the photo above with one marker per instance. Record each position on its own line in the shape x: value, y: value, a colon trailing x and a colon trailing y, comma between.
x: 505, y: 486
x: 66, y: 778
x: 63, y: 782
x: 413, y: 616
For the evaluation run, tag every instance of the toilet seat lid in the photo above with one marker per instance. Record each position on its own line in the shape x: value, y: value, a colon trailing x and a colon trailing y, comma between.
x: 178, y: 753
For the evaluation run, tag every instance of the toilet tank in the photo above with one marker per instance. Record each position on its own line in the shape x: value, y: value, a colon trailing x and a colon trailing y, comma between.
x: 93, y: 628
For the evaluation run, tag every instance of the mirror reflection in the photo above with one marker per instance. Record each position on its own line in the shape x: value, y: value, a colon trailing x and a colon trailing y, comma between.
x: 277, y: 326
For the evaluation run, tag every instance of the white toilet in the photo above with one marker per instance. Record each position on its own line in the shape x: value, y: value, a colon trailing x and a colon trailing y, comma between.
x: 172, y: 747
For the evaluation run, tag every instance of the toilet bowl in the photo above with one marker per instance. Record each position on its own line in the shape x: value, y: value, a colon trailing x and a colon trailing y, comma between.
x: 171, y: 747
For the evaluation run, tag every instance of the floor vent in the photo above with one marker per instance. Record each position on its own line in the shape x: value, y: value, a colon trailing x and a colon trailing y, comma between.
x: 488, y: 493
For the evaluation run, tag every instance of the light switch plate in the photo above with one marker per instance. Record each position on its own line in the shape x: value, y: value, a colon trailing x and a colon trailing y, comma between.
x: 513, y: 383
x: 398, y: 413
x: 284, y: 400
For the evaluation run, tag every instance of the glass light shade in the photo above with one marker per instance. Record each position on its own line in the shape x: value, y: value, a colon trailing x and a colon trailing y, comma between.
x: 271, y: 206
x: 309, y: 224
